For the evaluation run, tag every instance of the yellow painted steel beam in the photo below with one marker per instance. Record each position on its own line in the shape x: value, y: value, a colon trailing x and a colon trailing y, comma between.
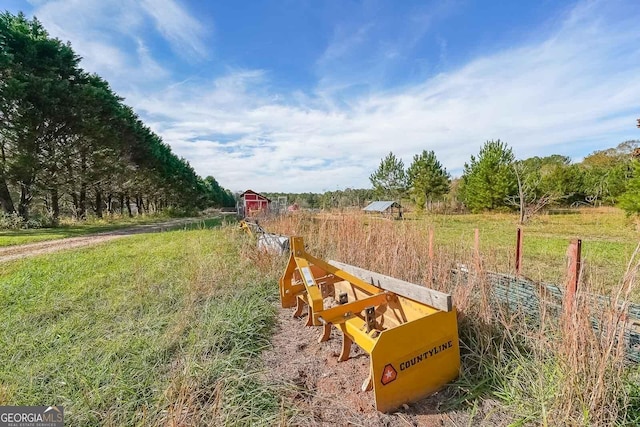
x: 303, y: 267
x: 314, y: 295
x: 355, y: 328
x: 341, y: 313
x: 287, y: 289
x: 298, y: 250
x: 244, y: 226
x: 367, y: 287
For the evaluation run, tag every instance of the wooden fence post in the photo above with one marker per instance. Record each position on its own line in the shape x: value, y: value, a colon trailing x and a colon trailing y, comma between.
x: 476, y: 242
x: 476, y: 247
x: 431, y: 237
x: 518, y: 251
x: 574, y: 254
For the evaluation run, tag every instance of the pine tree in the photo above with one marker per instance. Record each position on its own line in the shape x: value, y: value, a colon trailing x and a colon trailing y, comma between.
x: 390, y: 179
x: 427, y: 178
x: 488, y: 180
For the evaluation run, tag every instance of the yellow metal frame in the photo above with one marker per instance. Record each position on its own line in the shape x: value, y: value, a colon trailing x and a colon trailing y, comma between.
x: 413, y: 347
x: 244, y: 225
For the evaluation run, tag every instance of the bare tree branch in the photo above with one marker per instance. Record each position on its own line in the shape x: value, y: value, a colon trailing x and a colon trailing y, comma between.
x: 528, y: 202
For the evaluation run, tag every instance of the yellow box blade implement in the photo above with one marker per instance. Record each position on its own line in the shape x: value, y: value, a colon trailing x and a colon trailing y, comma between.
x: 409, y: 331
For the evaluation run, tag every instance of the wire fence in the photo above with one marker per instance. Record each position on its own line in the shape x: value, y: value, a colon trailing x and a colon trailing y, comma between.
x: 531, y: 298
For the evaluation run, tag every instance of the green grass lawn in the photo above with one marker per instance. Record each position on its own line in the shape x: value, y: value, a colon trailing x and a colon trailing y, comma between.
x: 150, y: 330
x: 76, y: 229
x: 167, y: 328
x: 608, y: 241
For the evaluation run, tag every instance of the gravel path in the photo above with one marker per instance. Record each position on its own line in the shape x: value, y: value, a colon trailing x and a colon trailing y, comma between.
x: 9, y: 253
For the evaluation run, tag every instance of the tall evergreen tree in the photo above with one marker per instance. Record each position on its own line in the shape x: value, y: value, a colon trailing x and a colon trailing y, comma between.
x: 427, y: 178
x: 390, y: 179
x: 489, y: 179
x: 67, y: 138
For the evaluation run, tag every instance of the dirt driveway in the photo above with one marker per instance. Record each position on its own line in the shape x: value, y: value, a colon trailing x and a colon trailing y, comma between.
x: 9, y: 253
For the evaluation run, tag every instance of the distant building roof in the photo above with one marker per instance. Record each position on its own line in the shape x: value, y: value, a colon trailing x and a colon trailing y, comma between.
x: 380, y: 206
x: 256, y: 193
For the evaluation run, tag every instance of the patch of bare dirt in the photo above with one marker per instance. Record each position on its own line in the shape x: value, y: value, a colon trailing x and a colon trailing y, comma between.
x: 9, y: 253
x: 328, y: 392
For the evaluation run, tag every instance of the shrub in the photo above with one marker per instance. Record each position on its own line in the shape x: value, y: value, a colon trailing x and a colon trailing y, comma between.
x: 10, y: 221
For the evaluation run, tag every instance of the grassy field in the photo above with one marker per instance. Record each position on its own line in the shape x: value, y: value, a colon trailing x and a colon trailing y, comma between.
x: 76, y: 229
x: 608, y: 241
x: 168, y: 328
x: 158, y: 329
x: 519, y: 367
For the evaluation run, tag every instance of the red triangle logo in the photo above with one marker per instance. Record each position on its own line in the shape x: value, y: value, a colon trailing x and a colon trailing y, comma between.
x: 389, y: 374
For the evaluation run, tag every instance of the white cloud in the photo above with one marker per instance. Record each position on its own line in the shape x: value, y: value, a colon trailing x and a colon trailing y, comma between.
x: 344, y: 42
x: 110, y: 36
x: 183, y: 31
x: 569, y: 94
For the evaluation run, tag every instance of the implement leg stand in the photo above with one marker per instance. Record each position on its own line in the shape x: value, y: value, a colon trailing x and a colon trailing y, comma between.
x: 299, y: 306
x: 326, y: 332
x: 309, y: 318
x: 367, y: 385
x: 346, y: 347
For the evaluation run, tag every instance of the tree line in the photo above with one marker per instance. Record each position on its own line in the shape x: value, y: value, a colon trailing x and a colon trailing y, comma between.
x: 349, y: 197
x: 69, y: 145
x: 495, y: 180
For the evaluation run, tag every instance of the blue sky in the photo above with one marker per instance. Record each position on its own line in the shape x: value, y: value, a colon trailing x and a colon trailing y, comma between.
x: 309, y: 95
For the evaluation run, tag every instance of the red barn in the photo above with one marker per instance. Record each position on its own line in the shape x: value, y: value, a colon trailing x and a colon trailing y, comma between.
x: 252, y: 203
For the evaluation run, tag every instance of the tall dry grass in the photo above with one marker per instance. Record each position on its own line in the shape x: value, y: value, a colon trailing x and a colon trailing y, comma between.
x: 545, y: 368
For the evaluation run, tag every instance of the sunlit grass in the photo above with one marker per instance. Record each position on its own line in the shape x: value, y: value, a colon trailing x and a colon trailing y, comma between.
x: 69, y: 228
x: 158, y: 329
x: 608, y: 240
